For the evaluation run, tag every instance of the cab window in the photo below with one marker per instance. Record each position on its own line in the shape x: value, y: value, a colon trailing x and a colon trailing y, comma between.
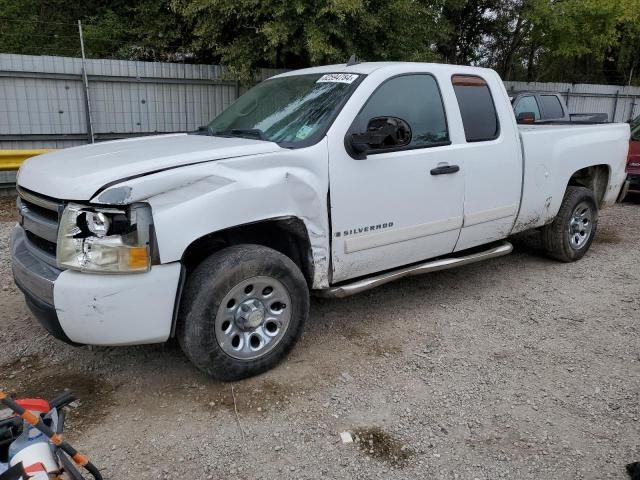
x: 551, y: 106
x: 477, y: 109
x: 414, y: 98
x: 528, y: 104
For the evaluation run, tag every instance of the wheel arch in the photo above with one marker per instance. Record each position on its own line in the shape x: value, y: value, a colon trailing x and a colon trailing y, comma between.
x: 595, y: 178
x: 287, y: 235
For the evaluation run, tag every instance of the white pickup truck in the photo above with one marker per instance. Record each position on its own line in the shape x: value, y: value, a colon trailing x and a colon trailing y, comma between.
x: 331, y: 180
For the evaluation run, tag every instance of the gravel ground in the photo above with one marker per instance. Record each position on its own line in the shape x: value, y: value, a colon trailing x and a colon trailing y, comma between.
x: 518, y: 368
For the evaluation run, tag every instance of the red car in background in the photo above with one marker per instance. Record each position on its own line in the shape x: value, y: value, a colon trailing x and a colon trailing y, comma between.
x: 633, y: 161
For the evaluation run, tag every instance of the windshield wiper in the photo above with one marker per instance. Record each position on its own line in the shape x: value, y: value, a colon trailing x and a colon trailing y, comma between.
x: 205, y: 130
x: 246, y: 132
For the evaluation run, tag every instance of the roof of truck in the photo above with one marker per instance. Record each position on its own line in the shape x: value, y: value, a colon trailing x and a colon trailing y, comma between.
x: 531, y: 92
x: 367, y: 68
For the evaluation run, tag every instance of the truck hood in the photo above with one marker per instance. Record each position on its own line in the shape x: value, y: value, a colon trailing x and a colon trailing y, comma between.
x: 78, y: 173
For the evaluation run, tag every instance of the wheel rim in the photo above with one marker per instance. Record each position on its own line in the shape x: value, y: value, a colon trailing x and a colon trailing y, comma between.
x: 580, y: 225
x: 253, y: 318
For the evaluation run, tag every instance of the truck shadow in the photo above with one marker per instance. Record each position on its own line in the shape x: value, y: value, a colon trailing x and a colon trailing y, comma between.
x: 632, y: 198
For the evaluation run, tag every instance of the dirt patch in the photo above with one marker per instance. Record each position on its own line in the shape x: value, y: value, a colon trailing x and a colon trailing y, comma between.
x: 518, y: 367
x: 11, y: 369
x: 378, y: 349
x: 381, y: 445
x: 607, y: 235
x: 251, y: 397
x: 30, y: 377
x: 362, y: 337
x: 8, y: 211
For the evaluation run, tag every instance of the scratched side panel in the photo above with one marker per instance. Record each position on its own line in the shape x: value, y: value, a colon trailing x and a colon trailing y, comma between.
x: 554, y: 153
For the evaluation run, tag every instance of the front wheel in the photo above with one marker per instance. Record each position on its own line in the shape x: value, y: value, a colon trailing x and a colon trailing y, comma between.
x: 571, y: 233
x: 243, y: 309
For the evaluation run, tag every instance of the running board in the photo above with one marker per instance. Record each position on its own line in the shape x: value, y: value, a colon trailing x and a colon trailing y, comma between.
x: 433, y: 266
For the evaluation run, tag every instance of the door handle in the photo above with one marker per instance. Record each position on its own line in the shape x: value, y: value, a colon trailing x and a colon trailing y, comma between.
x: 445, y: 170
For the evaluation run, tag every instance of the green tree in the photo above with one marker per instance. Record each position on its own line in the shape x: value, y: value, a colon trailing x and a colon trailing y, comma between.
x: 552, y: 40
x: 147, y: 29
x: 247, y: 34
x: 464, y: 25
x: 563, y: 40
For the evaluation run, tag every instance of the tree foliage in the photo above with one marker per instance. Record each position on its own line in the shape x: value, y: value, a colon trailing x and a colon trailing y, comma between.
x: 547, y: 40
x: 280, y: 33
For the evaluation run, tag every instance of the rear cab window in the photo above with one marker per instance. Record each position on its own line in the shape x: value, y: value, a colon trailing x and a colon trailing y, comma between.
x: 551, y: 107
x: 477, y: 109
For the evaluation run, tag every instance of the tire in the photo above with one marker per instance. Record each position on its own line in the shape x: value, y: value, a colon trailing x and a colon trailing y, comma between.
x: 242, y: 311
x: 570, y: 235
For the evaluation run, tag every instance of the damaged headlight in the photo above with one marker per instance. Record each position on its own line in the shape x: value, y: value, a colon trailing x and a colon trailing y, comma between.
x: 106, y: 240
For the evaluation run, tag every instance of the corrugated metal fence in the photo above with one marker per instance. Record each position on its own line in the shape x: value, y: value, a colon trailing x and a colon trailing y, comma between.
x: 44, y: 103
x: 620, y: 103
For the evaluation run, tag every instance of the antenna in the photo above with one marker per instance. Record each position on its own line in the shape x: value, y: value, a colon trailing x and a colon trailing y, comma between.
x: 352, y: 60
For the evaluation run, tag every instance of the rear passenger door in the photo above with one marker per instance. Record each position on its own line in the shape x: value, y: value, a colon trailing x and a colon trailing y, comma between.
x: 492, y: 160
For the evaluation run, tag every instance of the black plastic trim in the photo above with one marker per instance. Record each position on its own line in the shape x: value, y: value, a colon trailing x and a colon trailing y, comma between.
x: 46, y: 315
x: 445, y: 170
x: 176, y: 306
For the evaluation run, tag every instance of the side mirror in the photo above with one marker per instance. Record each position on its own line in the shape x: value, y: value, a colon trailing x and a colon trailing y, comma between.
x: 382, y: 133
x: 526, y: 118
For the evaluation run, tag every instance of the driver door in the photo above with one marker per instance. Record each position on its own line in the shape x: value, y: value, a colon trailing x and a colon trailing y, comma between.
x: 398, y: 205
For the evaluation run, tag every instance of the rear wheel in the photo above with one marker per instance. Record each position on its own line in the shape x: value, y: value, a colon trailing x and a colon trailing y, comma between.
x: 243, y: 310
x: 570, y: 235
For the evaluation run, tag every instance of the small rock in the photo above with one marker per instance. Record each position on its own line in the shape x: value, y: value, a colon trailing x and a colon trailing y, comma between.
x: 346, y: 437
x: 346, y: 377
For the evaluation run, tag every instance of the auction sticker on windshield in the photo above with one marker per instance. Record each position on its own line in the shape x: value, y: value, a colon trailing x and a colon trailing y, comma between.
x: 337, y: 78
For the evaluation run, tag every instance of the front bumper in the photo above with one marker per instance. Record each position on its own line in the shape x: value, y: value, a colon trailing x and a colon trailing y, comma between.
x: 35, y: 278
x: 96, y: 309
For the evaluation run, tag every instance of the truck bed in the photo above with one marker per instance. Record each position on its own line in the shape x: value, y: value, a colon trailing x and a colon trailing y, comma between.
x: 552, y: 153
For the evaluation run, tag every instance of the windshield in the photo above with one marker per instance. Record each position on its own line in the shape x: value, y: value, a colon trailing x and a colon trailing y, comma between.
x: 287, y: 109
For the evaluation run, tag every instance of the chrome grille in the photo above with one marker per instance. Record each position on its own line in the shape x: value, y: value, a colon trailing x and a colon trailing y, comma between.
x: 39, y: 216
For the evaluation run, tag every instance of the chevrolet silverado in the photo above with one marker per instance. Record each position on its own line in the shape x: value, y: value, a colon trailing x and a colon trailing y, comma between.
x: 328, y: 180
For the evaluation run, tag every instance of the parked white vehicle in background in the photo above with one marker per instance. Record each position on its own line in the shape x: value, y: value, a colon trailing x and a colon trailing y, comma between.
x: 332, y: 179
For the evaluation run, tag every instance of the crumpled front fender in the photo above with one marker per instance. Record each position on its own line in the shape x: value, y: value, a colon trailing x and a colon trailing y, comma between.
x: 192, y: 201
